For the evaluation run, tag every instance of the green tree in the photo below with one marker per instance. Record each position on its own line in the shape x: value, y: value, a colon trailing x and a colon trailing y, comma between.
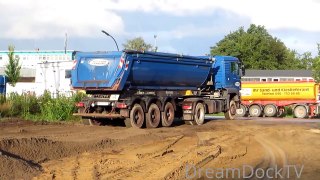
x: 306, y: 61
x: 257, y: 49
x: 316, y: 66
x: 13, y: 68
x: 137, y: 44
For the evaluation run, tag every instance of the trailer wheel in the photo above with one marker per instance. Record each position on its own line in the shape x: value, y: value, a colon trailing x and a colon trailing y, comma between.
x: 270, y: 110
x: 255, y: 111
x: 153, y: 116
x: 167, y: 115
x: 281, y: 112
x: 231, y: 113
x: 300, y: 112
x: 242, y: 111
x: 199, y: 113
x: 137, y: 116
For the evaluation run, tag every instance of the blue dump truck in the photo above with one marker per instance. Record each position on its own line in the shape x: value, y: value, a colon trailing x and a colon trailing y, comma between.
x: 152, y: 88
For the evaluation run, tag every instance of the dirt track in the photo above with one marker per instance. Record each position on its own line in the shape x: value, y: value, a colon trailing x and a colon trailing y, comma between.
x: 36, y: 151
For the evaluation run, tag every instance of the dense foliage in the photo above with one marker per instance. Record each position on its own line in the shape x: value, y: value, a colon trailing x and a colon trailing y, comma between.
x: 137, y: 44
x: 44, y: 108
x: 13, y: 68
x: 316, y: 66
x: 257, y: 49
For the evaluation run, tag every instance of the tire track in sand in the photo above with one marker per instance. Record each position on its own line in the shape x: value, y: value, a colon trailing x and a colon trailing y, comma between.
x: 275, y: 157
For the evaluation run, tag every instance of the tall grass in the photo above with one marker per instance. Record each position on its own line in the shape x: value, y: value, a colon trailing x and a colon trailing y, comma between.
x: 46, y: 108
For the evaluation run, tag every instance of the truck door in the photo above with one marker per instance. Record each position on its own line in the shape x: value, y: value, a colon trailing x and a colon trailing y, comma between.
x: 232, y: 74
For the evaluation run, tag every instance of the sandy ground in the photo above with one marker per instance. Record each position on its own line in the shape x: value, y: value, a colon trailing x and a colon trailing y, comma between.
x: 252, y: 149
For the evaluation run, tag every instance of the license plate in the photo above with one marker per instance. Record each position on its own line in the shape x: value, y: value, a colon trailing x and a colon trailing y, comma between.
x: 114, y: 97
x: 103, y: 103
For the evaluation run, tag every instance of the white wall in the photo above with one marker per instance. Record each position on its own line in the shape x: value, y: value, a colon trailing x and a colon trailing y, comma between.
x: 50, y: 76
x: 26, y: 87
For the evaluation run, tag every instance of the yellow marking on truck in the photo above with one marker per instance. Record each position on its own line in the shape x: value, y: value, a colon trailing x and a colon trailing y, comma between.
x: 279, y: 91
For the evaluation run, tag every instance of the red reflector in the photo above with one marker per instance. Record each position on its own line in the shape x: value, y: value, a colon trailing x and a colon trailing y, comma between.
x: 74, y: 64
x: 121, y: 105
x: 121, y: 62
x: 80, y: 104
x: 187, y: 107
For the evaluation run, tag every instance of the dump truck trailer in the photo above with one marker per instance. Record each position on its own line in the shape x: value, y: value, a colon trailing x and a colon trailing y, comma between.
x: 270, y: 99
x: 149, y: 88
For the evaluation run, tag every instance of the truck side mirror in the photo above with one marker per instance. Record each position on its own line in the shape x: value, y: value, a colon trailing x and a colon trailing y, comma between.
x: 243, y: 70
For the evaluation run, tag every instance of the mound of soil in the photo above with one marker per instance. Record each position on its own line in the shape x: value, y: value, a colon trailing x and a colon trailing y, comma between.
x: 22, y: 158
x: 16, y: 168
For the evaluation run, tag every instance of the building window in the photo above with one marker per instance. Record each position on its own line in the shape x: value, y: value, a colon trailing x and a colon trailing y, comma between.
x: 67, y: 74
x: 250, y: 79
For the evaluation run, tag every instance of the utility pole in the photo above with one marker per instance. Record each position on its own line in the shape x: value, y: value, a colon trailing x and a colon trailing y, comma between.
x: 155, y: 43
x: 65, y: 43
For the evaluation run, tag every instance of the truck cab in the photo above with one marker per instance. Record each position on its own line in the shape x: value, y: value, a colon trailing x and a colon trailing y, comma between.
x: 227, y: 72
x: 222, y: 94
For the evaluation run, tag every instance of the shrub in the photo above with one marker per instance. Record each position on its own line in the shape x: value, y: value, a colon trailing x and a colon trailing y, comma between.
x: 29, y: 106
x: 5, y: 109
x: 289, y: 111
x: 60, y: 108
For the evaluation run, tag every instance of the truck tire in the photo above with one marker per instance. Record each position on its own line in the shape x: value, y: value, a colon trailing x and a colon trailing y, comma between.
x: 255, y: 111
x: 199, y: 113
x: 242, y: 111
x: 270, y: 110
x: 167, y: 116
x: 300, y: 112
x: 137, y: 116
x: 153, y: 116
x: 232, y: 111
x: 281, y: 112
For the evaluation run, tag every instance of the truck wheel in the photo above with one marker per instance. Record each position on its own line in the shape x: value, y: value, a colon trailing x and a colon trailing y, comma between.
x: 242, y: 111
x: 167, y: 115
x: 281, y: 112
x: 270, y: 110
x: 137, y: 116
x: 300, y: 112
x: 153, y: 116
x: 199, y: 113
x: 231, y: 113
x: 255, y: 111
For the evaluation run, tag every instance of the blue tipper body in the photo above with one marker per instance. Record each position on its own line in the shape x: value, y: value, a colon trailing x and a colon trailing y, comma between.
x: 119, y: 70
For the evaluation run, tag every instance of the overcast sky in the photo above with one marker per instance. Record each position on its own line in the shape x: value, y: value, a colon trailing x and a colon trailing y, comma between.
x: 181, y: 26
